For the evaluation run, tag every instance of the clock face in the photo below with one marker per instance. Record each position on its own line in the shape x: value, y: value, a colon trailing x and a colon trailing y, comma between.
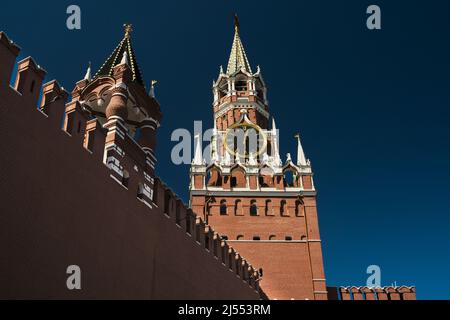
x: 245, y: 140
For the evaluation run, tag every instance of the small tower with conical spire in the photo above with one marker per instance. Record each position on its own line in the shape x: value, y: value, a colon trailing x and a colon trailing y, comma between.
x: 239, y: 88
x: 114, y: 106
x: 264, y: 206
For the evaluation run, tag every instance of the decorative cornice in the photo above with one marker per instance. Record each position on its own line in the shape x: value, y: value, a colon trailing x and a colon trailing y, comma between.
x: 253, y: 193
x: 227, y: 106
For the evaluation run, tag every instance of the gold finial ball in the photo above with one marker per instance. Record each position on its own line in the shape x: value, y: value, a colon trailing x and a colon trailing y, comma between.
x: 128, y: 28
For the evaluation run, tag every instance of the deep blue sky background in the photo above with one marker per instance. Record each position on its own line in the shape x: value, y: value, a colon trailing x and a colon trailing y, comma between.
x: 372, y: 107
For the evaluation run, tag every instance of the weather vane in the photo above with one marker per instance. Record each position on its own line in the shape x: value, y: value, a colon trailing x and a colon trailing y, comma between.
x: 128, y: 28
x: 236, y: 22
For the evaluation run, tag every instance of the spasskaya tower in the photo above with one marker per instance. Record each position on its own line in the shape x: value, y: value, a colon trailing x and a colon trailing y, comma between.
x: 264, y: 206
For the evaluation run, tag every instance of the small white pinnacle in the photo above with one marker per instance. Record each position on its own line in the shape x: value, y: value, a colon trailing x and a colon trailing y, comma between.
x: 124, y: 58
x: 88, y: 73
x: 152, y: 89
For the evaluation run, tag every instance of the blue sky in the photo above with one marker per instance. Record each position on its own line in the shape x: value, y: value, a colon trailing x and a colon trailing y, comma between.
x: 372, y: 106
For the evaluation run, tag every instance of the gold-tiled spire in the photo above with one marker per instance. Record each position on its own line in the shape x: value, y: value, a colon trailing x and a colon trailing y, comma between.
x: 115, y: 58
x: 238, y: 58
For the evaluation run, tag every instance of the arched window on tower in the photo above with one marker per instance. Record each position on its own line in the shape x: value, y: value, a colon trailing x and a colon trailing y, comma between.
x: 223, y: 89
x: 299, y: 208
x: 289, y: 179
x: 241, y: 83
x: 223, y: 208
x: 283, y: 208
x: 254, y: 208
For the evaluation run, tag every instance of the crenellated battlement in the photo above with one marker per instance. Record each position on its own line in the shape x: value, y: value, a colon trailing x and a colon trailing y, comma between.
x: 381, y: 294
x: 110, y: 144
x: 130, y: 165
x: 204, y: 235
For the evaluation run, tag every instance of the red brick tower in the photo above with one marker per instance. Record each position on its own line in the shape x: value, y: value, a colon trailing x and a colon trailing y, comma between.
x: 114, y: 111
x: 264, y: 207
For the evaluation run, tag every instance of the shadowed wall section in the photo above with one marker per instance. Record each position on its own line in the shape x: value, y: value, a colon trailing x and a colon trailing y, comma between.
x: 61, y: 205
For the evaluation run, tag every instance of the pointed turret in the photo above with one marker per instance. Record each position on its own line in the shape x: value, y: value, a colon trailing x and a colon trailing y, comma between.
x: 88, y: 76
x: 238, y: 58
x: 301, y: 159
x: 214, y: 153
x: 118, y: 99
x: 125, y: 59
x: 124, y: 50
x: 274, y: 126
x: 152, y: 89
x: 275, y: 144
x: 198, y: 160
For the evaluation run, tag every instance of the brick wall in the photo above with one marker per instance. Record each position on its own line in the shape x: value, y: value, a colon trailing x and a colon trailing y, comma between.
x: 61, y: 205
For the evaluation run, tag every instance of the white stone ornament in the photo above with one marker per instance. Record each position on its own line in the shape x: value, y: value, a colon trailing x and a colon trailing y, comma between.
x: 124, y: 58
x: 301, y: 159
x: 252, y: 161
x: 88, y: 76
x: 289, y: 158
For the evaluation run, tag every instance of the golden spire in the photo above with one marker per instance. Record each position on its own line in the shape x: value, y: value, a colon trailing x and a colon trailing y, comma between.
x: 128, y: 28
x: 238, y: 58
x: 123, y: 53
